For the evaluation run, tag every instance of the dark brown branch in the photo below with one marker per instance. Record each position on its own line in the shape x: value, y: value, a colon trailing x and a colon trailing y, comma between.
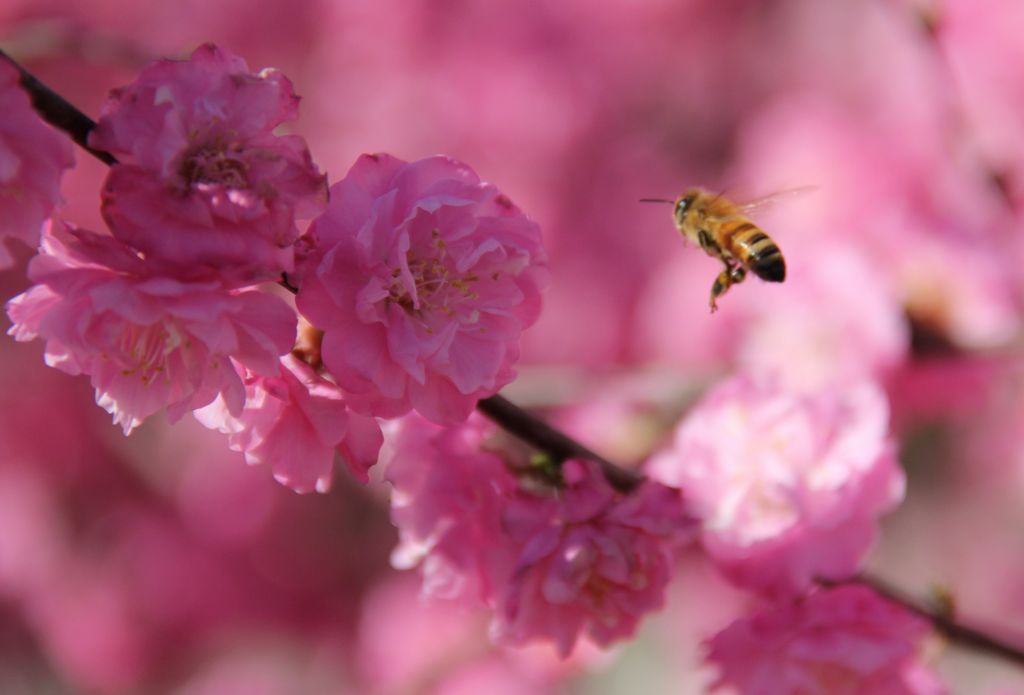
x: 59, y: 112
x: 955, y: 631
x: 540, y: 434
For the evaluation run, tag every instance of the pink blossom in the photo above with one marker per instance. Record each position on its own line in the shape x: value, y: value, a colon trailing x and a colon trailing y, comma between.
x: 32, y: 159
x: 843, y: 641
x: 147, y: 341
x: 447, y: 499
x: 552, y: 562
x: 423, y: 278
x: 205, y: 182
x: 297, y: 422
x: 788, y: 485
x: 589, y: 559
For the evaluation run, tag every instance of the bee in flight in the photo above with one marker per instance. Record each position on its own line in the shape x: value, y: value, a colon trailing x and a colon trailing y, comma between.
x: 721, y: 228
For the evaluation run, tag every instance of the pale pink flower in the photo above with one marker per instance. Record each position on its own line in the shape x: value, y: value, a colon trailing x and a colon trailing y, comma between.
x: 422, y: 278
x: 146, y: 341
x: 32, y: 158
x: 296, y: 423
x: 590, y: 560
x: 204, y: 181
x: 843, y: 641
x: 788, y: 485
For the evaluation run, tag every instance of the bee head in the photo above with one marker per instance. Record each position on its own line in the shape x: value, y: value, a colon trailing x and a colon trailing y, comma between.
x: 682, y: 207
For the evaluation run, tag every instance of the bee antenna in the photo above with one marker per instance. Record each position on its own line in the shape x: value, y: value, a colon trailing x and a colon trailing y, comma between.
x: 657, y: 200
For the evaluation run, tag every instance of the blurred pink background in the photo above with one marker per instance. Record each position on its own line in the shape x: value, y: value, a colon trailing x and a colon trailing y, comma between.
x: 162, y: 564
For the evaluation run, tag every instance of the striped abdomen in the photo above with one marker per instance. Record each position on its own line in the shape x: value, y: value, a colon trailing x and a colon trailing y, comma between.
x: 753, y: 248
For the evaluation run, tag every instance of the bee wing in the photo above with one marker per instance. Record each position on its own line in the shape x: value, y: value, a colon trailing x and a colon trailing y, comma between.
x: 772, y: 198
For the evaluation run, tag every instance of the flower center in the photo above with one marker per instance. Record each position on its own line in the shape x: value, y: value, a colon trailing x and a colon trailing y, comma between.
x: 438, y: 289
x: 146, y: 348
x: 215, y: 163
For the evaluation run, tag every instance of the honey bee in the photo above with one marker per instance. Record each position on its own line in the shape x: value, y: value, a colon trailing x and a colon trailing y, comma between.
x: 720, y: 227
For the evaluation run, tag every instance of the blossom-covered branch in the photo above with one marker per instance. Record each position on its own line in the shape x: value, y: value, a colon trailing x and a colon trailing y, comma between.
x: 65, y: 116
x: 539, y: 433
x: 413, y: 283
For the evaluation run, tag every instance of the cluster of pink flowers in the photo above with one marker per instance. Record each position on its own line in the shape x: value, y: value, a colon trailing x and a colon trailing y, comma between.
x: 554, y: 556
x: 788, y: 487
x: 204, y: 183
x: 418, y: 278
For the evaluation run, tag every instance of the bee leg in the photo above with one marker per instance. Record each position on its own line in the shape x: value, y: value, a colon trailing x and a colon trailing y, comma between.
x: 722, y: 283
x: 732, y: 275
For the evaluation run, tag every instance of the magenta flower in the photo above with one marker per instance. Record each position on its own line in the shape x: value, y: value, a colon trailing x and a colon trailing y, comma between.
x: 297, y: 422
x: 788, y: 486
x: 844, y: 641
x: 32, y: 159
x: 423, y: 278
x: 551, y: 562
x: 203, y: 180
x: 589, y: 559
x: 447, y: 500
x: 147, y: 341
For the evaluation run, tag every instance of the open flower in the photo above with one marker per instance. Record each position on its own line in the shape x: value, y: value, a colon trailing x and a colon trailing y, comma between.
x: 32, y: 158
x: 843, y: 641
x: 297, y: 422
x: 446, y: 500
x: 204, y: 181
x: 553, y: 562
x: 422, y: 278
x: 590, y: 560
x: 147, y: 341
x: 788, y: 485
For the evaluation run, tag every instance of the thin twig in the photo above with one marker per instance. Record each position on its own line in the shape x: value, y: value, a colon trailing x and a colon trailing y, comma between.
x: 59, y: 112
x: 540, y: 434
